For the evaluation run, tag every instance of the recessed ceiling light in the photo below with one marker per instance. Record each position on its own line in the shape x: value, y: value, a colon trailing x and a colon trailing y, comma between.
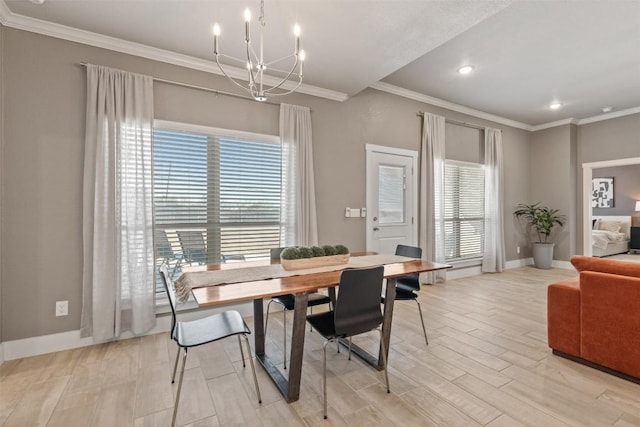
x: 555, y: 105
x: 607, y: 109
x: 466, y: 69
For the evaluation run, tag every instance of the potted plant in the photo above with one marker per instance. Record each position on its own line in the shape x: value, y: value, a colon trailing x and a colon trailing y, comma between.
x: 543, y: 220
x: 298, y: 258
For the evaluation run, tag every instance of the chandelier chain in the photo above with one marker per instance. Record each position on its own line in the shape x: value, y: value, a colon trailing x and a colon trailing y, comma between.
x: 261, y: 17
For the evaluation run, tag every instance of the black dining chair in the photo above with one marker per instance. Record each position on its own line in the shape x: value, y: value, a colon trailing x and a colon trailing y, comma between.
x: 407, y: 286
x: 357, y: 311
x: 203, y: 331
x: 288, y: 301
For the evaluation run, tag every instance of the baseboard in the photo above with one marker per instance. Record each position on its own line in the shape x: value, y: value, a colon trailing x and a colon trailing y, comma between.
x: 522, y: 262
x: 562, y: 264
x: 34, y: 346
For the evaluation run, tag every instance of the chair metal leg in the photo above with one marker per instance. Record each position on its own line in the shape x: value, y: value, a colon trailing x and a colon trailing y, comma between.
x: 284, y: 334
x: 266, y: 321
x: 324, y: 376
x: 175, y: 366
x: 175, y: 406
x: 384, y: 360
x: 253, y: 368
x: 350, y: 348
x: 242, y: 352
x: 422, y: 320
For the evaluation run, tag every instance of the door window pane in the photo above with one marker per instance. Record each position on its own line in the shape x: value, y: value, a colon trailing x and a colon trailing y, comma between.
x: 391, y: 203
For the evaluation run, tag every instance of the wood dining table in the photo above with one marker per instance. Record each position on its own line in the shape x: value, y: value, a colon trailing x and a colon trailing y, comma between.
x: 300, y: 286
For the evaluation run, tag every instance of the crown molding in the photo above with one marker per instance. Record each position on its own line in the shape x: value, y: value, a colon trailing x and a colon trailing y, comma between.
x: 416, y: 96
x: 64, y: 32
x: 569, y: 121
x: 612, y: 115
x: 4, y: 12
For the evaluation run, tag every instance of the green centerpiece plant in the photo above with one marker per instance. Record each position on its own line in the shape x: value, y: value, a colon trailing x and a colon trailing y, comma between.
x: 301, y: 257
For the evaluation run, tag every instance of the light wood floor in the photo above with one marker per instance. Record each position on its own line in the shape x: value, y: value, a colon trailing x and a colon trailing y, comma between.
x: 487, y: 363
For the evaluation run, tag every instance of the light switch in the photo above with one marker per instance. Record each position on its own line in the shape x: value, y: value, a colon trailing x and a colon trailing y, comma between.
x: 355, y: 213
x: 347, y: 212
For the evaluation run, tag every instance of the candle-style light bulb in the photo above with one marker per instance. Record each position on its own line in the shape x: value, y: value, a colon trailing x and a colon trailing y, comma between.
x: 296, y: 32
x: 301, y: 57
x: 216, y: 33
x: 247, y: 23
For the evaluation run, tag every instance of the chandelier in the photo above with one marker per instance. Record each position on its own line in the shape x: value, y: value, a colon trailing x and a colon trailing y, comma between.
x: 256, y: 65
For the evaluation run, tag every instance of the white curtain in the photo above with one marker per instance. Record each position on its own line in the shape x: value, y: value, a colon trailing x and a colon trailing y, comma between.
x: 298, y: 220
x: 432, y: 156
x: 118, y: 273
x: 493, y: 258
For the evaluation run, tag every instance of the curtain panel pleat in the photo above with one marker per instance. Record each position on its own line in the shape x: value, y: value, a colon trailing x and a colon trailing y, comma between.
x: 118, y: 276
x: 432, y: 157
x: 494, y: 258
x: 299, y: 225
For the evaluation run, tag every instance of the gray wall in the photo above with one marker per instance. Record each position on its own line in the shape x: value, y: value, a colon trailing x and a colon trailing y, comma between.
x: 43, y: 156
x: 42, y: 93
x: 626, y: 189
x: 1, y: 161
x: 606, y: 140
x: 553, y: 181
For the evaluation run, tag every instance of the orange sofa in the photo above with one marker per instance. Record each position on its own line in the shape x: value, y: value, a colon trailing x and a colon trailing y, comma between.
x: 595, y: 318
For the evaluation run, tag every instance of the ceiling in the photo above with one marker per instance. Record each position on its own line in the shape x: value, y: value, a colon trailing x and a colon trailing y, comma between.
x: 526, y: 54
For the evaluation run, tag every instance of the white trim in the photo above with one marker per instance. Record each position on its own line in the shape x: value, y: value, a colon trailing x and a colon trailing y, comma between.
x: 587, y: 176
x: 68, y: 340
x: 416, y: 96
x: 4, y: 13
x: 570, y: 121
x: 391, y: 150
x: 565, y: 265
x: 208, y: 130
x: 413, y: 155
x: 1, y: 353
x: 522, y: 262
x: 612, y: 115
x: 64, y: 32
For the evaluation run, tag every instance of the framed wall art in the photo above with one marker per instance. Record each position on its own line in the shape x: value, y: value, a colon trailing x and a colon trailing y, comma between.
x: 602, y: 193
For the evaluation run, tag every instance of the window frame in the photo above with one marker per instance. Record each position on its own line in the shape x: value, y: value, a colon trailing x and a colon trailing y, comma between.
x: 161, y: 301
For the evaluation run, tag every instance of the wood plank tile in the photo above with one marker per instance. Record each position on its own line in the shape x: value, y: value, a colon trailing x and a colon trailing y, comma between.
x: 38, y: 403
x: 518, y: 409
x: 490, y: 326
x: 115, y: 406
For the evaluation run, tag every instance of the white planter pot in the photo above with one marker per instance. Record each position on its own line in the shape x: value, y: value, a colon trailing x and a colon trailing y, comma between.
x: 543, y: 255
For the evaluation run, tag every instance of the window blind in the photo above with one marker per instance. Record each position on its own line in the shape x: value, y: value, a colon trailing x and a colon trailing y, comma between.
x: 216, y: 198
x: 463, y: 210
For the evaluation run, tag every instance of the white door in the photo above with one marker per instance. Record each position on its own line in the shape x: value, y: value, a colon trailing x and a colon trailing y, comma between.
x: 391, y: 198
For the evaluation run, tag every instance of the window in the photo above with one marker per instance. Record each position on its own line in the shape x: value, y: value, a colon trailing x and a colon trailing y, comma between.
x: 391, y: 194
x: 463, y: 210
x: 216, y: 195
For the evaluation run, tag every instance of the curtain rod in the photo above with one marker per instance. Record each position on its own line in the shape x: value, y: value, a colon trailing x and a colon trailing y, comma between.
x: 203, y: 88
x: 459, y: 123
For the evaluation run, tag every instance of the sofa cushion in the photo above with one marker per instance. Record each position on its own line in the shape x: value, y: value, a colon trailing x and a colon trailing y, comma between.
x: 563, y: 316
x: 610, y: 321
x: 623, y: 268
